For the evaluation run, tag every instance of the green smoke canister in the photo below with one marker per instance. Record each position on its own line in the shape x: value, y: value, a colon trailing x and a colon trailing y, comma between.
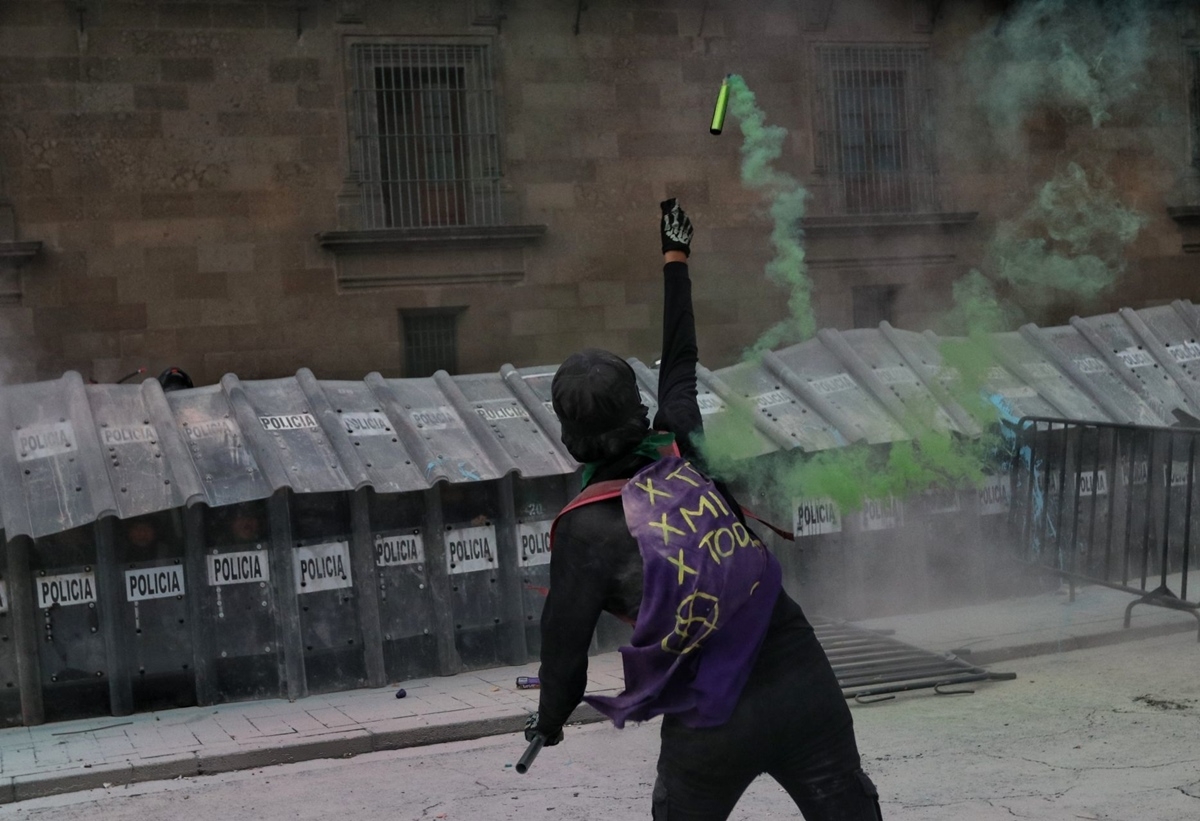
x: 718, y: 121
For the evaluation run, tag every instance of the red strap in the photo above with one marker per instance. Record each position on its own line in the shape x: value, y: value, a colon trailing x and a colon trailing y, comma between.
x: 597, y: 492
x: 785, y: 534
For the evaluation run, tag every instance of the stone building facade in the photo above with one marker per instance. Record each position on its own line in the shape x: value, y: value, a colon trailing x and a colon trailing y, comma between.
x: 256, y: 186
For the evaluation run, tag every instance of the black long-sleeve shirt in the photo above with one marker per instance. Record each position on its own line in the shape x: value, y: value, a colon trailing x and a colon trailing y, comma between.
x: 596, y: 565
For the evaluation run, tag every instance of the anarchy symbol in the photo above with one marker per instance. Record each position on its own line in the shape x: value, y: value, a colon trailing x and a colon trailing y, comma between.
x: 695, y: 618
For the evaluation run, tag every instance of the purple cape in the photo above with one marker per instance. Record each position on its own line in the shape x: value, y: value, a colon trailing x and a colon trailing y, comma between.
x: 709, y: 589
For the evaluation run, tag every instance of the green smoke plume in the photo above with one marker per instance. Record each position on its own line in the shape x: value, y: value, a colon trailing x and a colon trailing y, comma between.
x: 1063, y: 55
x: 1059, y: 58
x: 762, y: 145
x: 1071, y: 239
x: 1069, y: 244
x: 849, y: 475
x: 852, y: 474
x: 1069, y: 60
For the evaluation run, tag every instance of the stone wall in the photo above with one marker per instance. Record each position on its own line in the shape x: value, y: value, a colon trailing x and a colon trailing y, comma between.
x: 179, y: 159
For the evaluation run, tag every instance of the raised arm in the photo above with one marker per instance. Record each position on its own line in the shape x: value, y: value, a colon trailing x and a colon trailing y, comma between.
x: 678, y: 411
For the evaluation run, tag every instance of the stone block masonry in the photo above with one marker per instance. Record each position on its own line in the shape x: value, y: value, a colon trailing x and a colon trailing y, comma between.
x: 179, y: 161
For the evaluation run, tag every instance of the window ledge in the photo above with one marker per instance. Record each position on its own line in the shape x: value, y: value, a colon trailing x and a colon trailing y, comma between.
x: 1184, y: 214
x: 874, y: 223
x: 374, y: 281
x: 384, y: 240
x: 16, y: 253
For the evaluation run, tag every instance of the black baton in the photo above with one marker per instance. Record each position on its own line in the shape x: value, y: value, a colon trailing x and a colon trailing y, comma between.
x: 531, y: 752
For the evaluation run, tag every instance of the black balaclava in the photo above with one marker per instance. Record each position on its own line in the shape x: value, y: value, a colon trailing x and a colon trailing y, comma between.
x: 596, y: 398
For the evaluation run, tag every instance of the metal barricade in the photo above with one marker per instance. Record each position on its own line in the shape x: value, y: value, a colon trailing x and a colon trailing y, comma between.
x: 1110, y: 504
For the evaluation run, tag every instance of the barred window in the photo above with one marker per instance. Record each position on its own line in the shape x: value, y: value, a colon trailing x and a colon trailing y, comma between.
x: 425, y: 137
x: 874, y: 123
x: 430, y: 341
x: 1194, y: 101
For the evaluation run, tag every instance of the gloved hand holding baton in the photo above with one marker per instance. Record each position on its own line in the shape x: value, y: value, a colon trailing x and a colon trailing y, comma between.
x: 536, y: 740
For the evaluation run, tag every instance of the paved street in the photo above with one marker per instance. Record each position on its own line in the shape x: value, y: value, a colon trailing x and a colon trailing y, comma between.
x: 1102, y: 733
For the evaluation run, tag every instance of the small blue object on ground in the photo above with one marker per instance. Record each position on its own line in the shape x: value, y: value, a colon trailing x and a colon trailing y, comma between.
x: 401, y: 693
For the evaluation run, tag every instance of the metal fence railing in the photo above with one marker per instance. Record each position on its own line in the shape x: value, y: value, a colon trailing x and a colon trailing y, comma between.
x: 1110, y: 504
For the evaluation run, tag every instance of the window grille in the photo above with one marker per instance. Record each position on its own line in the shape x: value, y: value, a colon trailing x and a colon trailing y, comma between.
x: 874, y: 124
x: 874, y: 304
x: 424, y: 134
x: 430, y: 342
x: 1194, y: 103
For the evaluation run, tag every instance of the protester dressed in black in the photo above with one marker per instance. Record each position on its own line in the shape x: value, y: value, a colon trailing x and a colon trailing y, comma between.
x: 791, y: 720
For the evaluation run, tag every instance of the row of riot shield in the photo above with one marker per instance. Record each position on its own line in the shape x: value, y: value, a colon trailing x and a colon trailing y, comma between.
x: 281, y: 597
x: 889, y: 555
x: 316, y: 592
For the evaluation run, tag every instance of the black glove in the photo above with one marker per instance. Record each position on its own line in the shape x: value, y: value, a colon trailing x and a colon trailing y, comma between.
x: 531, y: 731
x: 676, y: 228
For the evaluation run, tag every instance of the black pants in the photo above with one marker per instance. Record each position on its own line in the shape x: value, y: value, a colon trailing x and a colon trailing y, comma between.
x: 791, y: 723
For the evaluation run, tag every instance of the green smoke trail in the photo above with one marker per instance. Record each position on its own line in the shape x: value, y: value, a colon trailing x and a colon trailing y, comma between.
x: 762, y: 145
x: 729, y: 444
x: 978, y: 308
x: 851, y: 474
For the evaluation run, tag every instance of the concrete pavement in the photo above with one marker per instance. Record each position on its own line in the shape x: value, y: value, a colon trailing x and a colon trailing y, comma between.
x: 77, y: 755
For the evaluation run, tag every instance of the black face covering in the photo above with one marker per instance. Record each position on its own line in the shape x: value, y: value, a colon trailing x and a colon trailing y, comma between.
x: 595, y: 392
